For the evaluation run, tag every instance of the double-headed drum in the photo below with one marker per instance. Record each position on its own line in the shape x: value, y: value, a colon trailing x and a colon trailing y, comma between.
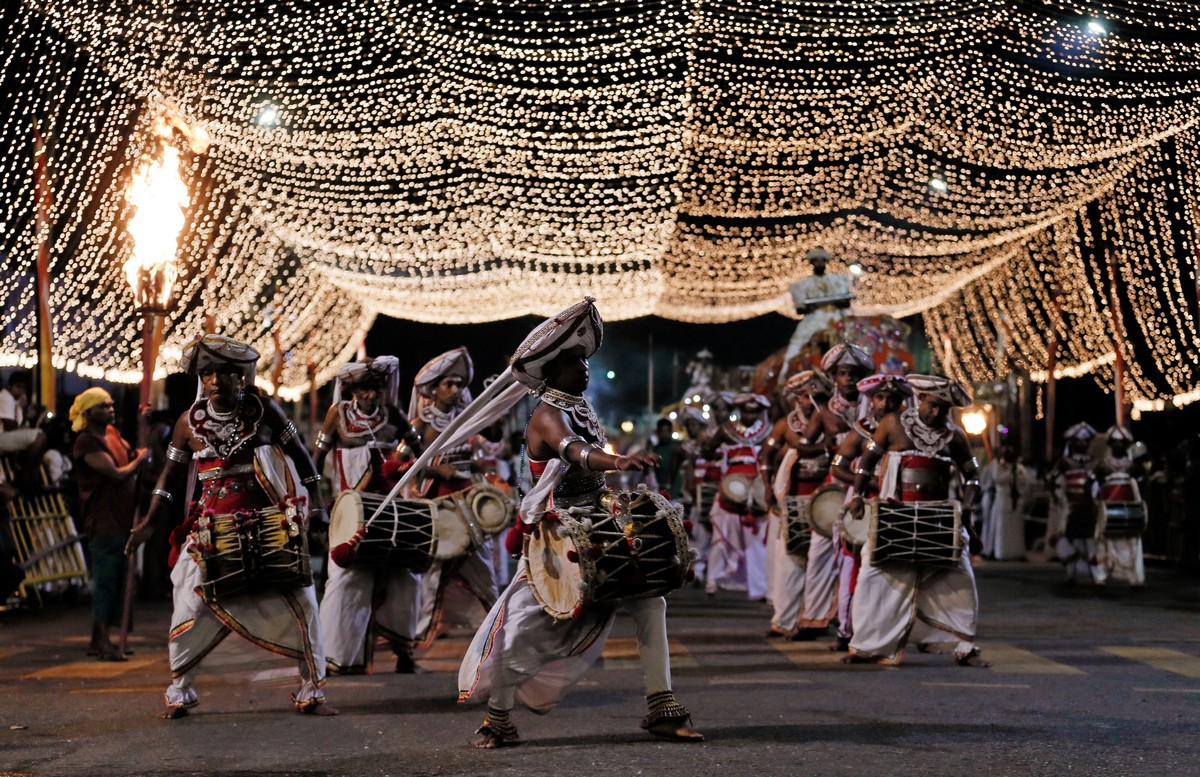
x: 744, y: 492
x: 402, y: 536
x: 252, y: 550
x: 825, y: 508
x: 634, y: 546
x: 1077, y: 486
x: 465, y: 519
x: 797, y: 532
x: 1121, y: 519
x: 856, y: 532
x: 917, y: 533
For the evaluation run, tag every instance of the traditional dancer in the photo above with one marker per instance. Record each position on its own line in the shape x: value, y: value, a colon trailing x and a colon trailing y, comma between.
x: 440, y: 392
x: 883, y: 395
x: 246, y: 456
x: 362, y: 430
x: 1120, y: 556
x: 737, y: 556
x: 1072, y: 527
x: 792, y: 480
x: 521, y: 653
x: 846, y: 364
x: 918, y: 447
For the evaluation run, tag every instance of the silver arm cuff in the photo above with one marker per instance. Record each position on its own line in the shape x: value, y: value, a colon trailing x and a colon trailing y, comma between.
x: 164, y: 494
x: 970, y: 467
x: 861, y: 471
x: 311, y: 480
x: 324, y: 441
x: 178, y: 455
x: 584, y: 459
x: 805, y: 441
x: 972, y: 482
x: 874, y: 447
x: 565, y: 442
x: 289, y: 433
x: 838, y: 461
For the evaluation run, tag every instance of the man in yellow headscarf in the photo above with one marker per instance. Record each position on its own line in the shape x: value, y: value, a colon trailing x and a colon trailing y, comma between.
x: 106, y: 467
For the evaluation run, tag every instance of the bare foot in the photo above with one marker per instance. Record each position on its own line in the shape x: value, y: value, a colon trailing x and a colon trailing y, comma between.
x: 490, y: 740
x: 973, y: 659
x: 854, y: 658
x: 678, y: 729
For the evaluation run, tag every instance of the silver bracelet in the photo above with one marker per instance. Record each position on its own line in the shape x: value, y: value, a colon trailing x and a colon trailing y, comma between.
x: 584, y: 459
x: 164, y: 494
x: 311, y: 480
x: 874, y: 447
x: 565, y: 442
x: 178, y: 455
x: 805, y: 441
x: 289, y: 433
x: 971, y: 482
x: 323, y: 441
x: 970, y: 467
x: 861, y: 471
x: 838, y: 461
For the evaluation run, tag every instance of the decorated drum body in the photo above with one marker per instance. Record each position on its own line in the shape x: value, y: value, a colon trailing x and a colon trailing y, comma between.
x: 924, y: 478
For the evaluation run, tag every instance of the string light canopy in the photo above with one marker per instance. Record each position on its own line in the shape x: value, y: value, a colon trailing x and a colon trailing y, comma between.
x: 475, y: 160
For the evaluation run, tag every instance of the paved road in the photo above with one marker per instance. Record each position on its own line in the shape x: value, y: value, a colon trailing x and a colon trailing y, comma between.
x: 1081, y: 684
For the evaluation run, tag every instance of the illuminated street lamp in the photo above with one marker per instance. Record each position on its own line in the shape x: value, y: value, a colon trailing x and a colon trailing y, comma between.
x: 159, y: 198
x: 975, y: 423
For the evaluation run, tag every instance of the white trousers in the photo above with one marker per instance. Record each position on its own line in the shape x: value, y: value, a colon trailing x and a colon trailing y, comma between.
x: 888, y: 601
x: 281, y: 622
x: 788, y: 573
x: 359, y: 603
x: 820, y: 583
x: 474, y: 570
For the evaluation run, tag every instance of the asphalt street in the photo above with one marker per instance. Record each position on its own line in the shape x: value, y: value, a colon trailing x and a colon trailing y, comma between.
x: 1082, y: 682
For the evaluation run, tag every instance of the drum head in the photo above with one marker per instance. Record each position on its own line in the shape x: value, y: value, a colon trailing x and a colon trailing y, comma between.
x: 856, y: 532
x: 825, y: 508
x: 736, y: 489
x: 491, y: 508
x: 556, y: 582
x: 758, y: 494
x: 452, y: 530
x: 345, y: 518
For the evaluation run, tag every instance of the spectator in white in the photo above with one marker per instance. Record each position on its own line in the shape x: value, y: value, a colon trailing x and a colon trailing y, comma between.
x: 19, y: 435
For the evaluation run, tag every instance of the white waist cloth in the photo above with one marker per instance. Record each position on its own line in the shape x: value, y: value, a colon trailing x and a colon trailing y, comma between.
x: 522, y: 654
x: 360, y: 603
x: 281, y: 622
x: 889, y: 600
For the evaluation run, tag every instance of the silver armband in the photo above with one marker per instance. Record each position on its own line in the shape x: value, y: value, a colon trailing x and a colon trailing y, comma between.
x: 164, y: 494
x: 565, y: 442
x: 972, y: 482
x: 970, y: 467
x: 805, y: 441
x: 178, y: 455
x: 311, y: 480
x: 584, y: 459
x: 874, y: 447
x: 861, y: 471
x: 324, y: 441
x: 289, y: 433
x: 838, y: 461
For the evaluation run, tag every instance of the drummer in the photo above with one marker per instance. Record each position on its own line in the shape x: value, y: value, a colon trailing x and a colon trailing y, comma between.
x: 362, y: 431
x: 846, y: 364
x: 521, y: 653
x: 235, y: 438
x: 440, y: 392
x: 1120, y: 557
x: 791, y: 476
x: 918, y: 447
x: 1072, y: 528
x: 737, y: 555
x: 882, y: 395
